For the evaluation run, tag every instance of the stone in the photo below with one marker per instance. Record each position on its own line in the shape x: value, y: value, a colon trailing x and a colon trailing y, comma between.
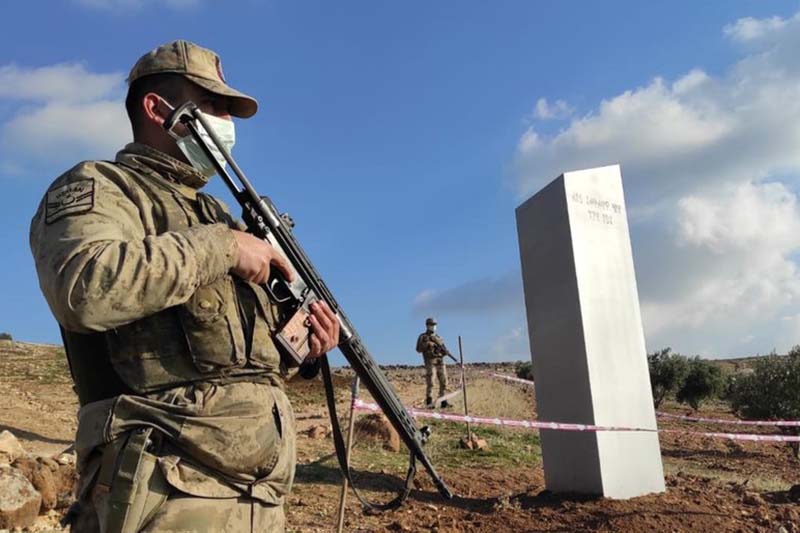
x: 19, y: 501
x: 66, y: 479
x: 317, y: 432
x: 49, y: 462
x: 398, y: 525
x: 66, y: 459
x: 586, y: 337
x: 473, y: 443
x: 41, y: 477
x: 751, y: 498
x: 735, y: 447
x: 375, y: 428
x: 10, y: 447
x: 55, y: 482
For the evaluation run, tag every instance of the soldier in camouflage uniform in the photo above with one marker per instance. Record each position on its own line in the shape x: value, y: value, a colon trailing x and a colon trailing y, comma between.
x: 184, y: 424
x: 433, y: 351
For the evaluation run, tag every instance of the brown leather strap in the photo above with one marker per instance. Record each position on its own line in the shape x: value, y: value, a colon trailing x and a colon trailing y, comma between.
x: 341, y: 452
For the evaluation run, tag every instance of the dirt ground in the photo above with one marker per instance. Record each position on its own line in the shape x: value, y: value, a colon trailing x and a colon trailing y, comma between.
x: 712, y: 484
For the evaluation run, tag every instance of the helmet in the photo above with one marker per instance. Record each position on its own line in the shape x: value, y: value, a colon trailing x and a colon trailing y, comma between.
x: 430, y: 321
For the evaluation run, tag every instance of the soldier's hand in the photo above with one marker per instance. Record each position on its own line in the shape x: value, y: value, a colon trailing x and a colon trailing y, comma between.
x: 324, y: 329
x: 256, y: 257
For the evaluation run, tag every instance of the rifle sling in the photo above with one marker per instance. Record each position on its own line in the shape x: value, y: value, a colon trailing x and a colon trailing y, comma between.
x: 341, y: 452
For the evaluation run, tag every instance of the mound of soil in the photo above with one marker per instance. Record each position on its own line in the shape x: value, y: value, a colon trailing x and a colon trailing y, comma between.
x: 375, y: 428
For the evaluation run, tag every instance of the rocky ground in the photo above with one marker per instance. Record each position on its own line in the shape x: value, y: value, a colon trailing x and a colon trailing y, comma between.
x: 713, y: 485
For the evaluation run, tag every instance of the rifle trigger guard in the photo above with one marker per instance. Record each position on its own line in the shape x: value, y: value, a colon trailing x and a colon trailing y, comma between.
x: 269, y: 287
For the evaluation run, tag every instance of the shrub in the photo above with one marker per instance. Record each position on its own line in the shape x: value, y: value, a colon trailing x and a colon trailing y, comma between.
x: 525, y: 371
x: 730, y: 384
x: 770, y: 392
x: 5, y: 336
x: 667, y: 373
x: 703, y: 381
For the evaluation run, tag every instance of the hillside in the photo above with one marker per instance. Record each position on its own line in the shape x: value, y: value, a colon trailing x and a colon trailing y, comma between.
x: 713, y: 484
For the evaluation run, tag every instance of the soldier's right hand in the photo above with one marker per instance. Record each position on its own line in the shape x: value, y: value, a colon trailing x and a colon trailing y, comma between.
x: 256, y: 257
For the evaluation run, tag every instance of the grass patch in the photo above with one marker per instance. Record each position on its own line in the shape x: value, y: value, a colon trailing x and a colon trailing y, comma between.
x: 507, y: 448
x: 490, y: 397
x: 378, y: 469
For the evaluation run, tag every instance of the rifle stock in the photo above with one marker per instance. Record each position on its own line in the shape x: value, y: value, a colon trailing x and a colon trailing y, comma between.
x: 294, y: 298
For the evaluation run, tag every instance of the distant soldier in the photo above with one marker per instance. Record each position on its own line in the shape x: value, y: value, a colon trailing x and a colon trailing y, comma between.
x: 433, y: 350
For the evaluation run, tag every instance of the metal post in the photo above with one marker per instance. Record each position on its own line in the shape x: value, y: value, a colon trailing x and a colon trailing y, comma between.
x: 464, y: 386
x: 343, y: 497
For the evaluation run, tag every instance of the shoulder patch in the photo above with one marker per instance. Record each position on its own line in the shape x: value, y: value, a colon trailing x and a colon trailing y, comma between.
x: 70, y: 199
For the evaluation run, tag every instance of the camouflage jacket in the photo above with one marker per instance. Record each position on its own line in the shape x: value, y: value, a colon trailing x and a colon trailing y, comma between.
x: 134, y: 263
x: 431, y: 345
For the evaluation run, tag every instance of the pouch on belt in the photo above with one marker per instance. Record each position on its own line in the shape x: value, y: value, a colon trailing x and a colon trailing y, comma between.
x: 130, y: 486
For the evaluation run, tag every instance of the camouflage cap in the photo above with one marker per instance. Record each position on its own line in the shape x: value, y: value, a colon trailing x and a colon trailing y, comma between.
x: 430, y: 322
x: 198, y: 64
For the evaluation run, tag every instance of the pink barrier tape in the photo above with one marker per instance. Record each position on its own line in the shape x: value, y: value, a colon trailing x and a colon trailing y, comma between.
x: 737, y: 436
x: 531, y: 424
x: 536, y: 424
x: 735, y: 421
x: 511, y: 378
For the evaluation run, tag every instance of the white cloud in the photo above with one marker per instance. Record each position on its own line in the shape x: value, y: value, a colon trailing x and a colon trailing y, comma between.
x: 790, y: 331
x: 750, y: 29
x: 747, y: 218
x: 96, y: 127
x: 476, y: 297
x: 556, y: 111
x: 424, y: 298
x: 511, y: 346
x: 662, y: 135
x: 65, y: 82
x: 739, y: 240
x: 64, y: 113
x: 694, y: 80
x: 698, y: 129
x: 710, y: 164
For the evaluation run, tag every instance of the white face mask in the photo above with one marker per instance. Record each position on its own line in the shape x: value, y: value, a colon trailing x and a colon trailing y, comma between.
x: 432, y: 329
x: 226, y: 133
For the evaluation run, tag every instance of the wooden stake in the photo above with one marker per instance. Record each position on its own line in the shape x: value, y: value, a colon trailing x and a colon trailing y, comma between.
x: 343, y: 497
x: 464, y: 386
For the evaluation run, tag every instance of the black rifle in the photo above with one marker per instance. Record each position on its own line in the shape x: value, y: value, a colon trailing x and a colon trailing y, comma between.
x: 294, y: 298
x: 442, y: 351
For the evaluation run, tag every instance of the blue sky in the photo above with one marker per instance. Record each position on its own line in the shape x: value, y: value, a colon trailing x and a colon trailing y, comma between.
x: 401, y: 136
